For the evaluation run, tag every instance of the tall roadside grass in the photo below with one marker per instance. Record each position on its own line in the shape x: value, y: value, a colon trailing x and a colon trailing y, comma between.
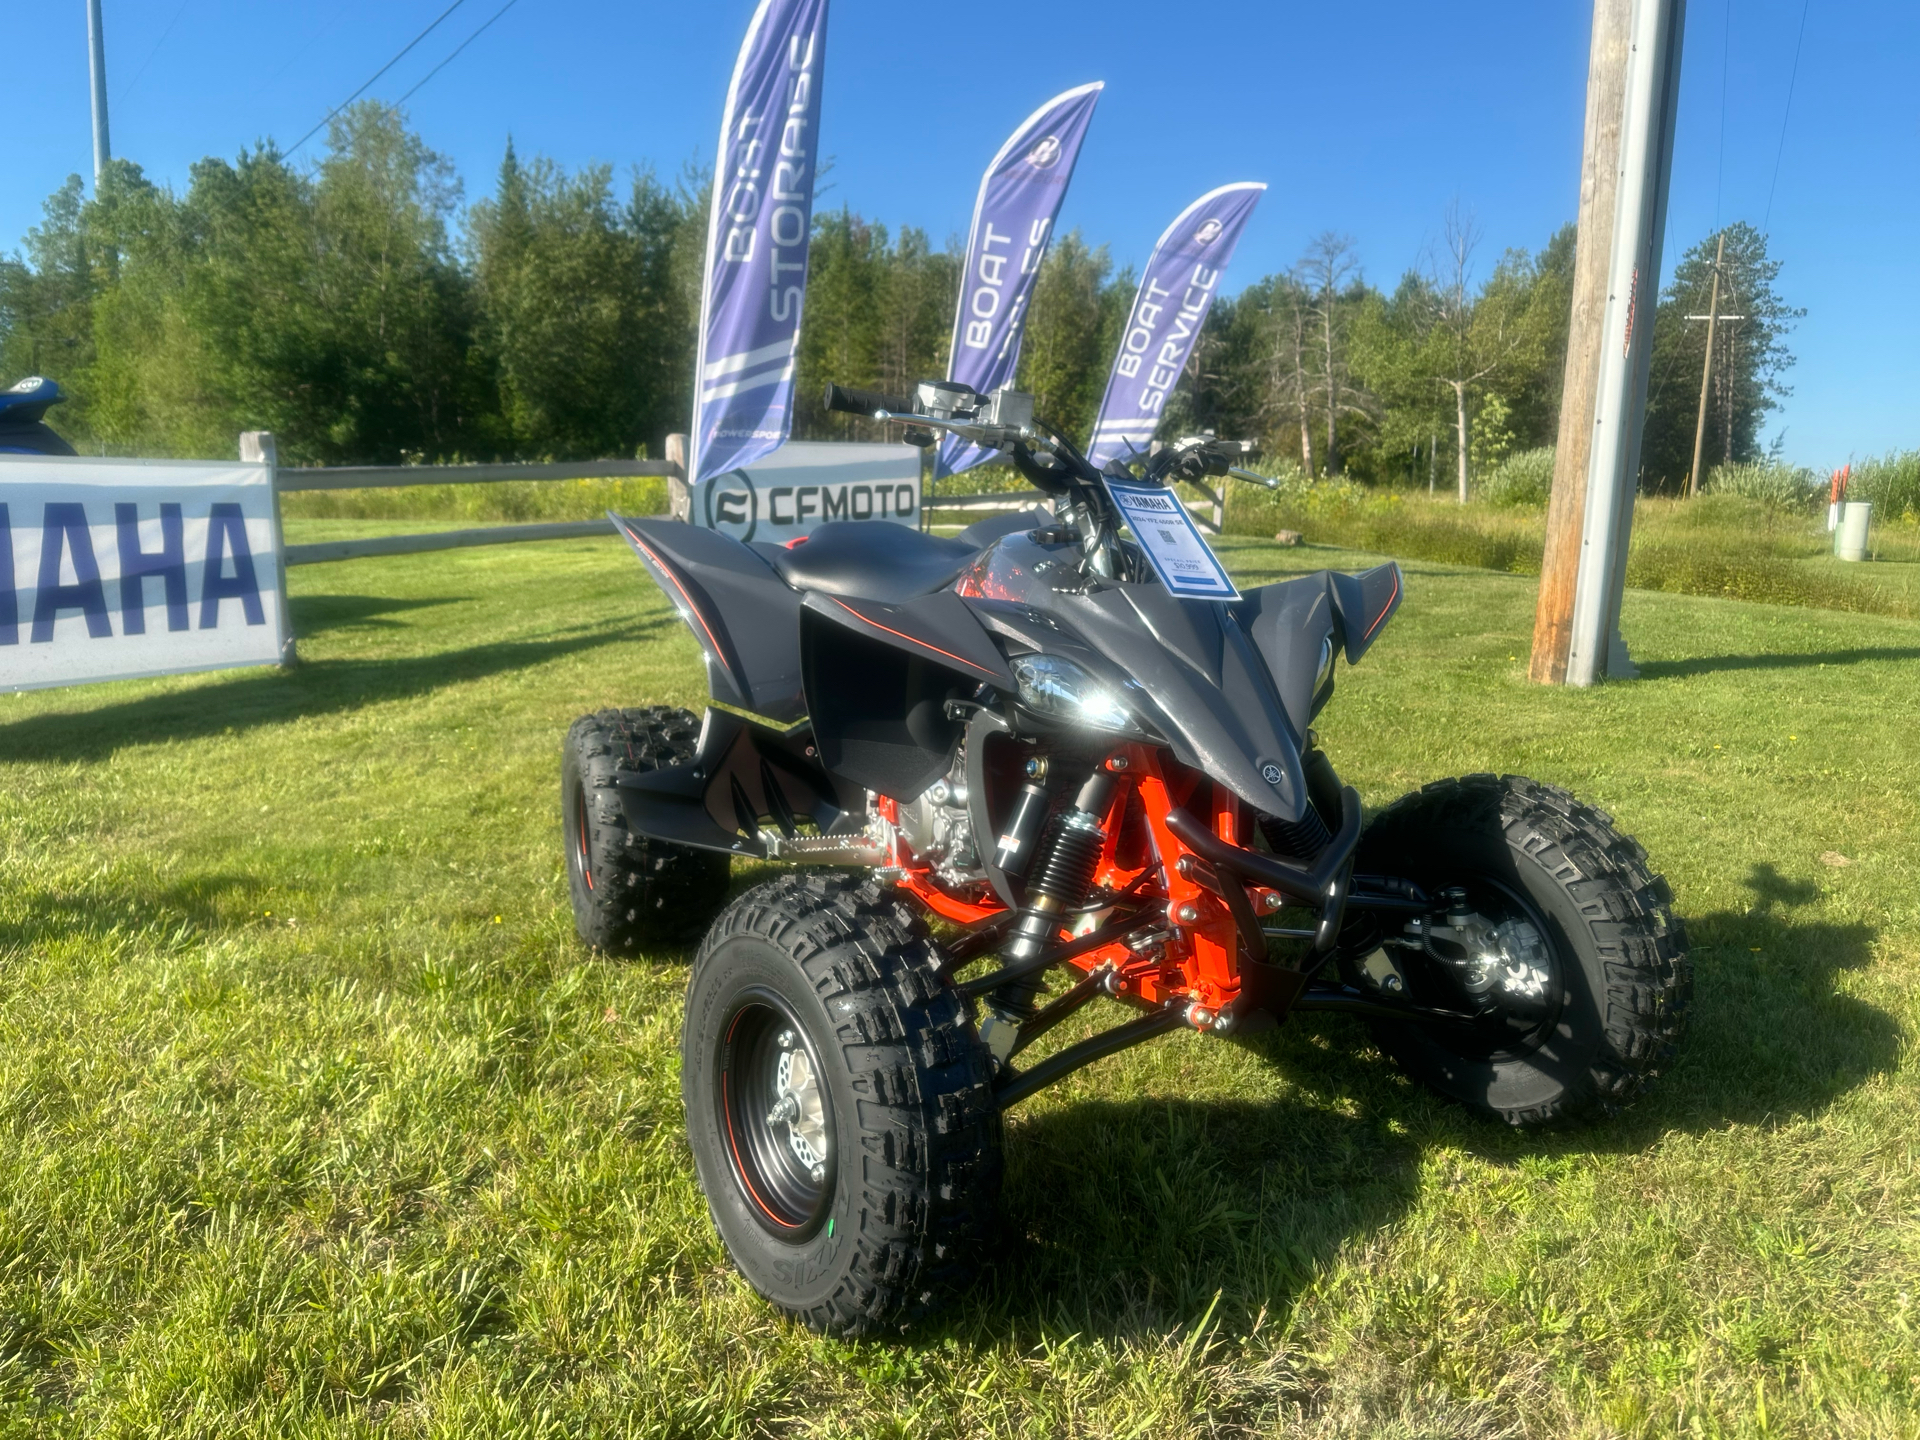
x: 508, y: 500
x: 1392, y: 522
x: 1727, y: 543
x: 1891, y: 482
x: 1772, y: 483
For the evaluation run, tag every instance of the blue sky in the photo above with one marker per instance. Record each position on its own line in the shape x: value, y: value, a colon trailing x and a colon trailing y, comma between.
x: 1367, y: 117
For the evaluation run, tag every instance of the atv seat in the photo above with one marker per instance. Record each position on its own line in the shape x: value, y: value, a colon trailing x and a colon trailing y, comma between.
x: 870, y: 560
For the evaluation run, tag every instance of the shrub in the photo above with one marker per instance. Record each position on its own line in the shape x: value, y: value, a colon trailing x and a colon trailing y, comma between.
x: 1891, y: 482
x: 1521, y: 482
x: 1773, y: 483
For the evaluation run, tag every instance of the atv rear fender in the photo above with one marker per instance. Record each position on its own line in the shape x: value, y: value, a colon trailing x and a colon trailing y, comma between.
x: 745, y: 617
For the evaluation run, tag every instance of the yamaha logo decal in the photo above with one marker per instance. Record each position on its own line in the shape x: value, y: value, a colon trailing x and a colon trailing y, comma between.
x: 1270, y: 773
x: 1208, y: 232
x: 1045, y: 153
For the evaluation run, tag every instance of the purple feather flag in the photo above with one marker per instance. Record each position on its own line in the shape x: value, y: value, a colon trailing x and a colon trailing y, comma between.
x: 757, y: 233
x: 1176, y: 291
x: 1013, y: 220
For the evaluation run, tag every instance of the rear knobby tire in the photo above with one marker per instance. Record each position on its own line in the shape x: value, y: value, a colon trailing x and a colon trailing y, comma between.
x: 1625, y: 976
x: 629, y: 892
x: 893, y: 1222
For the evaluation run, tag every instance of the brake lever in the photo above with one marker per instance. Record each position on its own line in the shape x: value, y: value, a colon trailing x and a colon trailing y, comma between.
x: 994, y: 437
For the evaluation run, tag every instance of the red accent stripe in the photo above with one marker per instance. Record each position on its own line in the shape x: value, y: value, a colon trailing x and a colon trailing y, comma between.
x: 914, y: 639
x: 668, y: 571
x: 739, y: 1165
x: 1386, y: 609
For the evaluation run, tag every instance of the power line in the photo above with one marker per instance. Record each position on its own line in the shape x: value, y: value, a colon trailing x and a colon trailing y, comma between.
x: 457, y: 49
x: 1791, y: 78
x: 376, y: 75
x: 156, y: 49
x: 299, y: 52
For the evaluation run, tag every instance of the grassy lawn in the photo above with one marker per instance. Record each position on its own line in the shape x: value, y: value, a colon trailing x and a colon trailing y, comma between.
x: 318, y: 1120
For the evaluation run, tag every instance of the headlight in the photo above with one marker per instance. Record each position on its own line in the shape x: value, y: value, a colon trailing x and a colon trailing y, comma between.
x: 1053, y: 686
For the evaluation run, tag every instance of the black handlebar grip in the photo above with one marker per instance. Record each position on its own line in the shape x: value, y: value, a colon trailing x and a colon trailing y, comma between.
x: 849, y: 401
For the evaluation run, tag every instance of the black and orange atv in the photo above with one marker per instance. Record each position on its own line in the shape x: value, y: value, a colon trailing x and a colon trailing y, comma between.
x: 1023, y: 736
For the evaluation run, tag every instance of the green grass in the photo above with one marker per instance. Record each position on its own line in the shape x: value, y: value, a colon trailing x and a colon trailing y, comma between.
x: 1722, y: 545
x: 318, y: 1121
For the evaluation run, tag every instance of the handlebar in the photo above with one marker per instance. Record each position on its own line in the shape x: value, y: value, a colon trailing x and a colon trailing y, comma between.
x: 1004, y: 421
x: 1197, y: 457
x: 848, y: 400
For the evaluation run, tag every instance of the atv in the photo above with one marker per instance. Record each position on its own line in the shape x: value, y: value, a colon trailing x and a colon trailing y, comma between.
x: 1023, y: 753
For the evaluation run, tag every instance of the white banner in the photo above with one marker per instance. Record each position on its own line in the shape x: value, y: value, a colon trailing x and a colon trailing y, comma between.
x: 111, y: 569
x: 806, y: 483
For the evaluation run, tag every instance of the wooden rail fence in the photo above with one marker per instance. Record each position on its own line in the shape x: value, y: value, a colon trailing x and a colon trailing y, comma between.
x: 257, y: 446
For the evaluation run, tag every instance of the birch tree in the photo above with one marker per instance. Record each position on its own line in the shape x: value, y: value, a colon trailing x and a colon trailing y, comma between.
x: 1328, y: 275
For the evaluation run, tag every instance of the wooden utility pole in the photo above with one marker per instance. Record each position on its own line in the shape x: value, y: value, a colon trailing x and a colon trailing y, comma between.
x: 1576, y: 624
x: 1706, y: 367
x: 1579, y: 386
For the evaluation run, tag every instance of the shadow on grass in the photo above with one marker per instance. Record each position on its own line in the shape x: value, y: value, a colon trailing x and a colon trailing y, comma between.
x: 1712, y: 664
x: 1126, y: 1217
x: 317, y: 614
x: 104, y: 908
x: 1770, y: 1037
x: 271, y: 697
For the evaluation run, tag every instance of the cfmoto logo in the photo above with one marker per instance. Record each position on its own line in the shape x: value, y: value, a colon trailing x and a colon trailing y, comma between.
x: 732, y: 505
x: 1208, y: 232
x: 1045, y: 153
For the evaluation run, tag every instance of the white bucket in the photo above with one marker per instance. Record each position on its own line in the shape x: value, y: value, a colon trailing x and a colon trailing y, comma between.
x: 1850, y: 540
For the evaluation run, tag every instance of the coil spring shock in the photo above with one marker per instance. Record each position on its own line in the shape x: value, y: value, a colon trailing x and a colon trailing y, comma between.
x: 1303, y: 839
x: 1063, y: 882
x: 1068, y: 873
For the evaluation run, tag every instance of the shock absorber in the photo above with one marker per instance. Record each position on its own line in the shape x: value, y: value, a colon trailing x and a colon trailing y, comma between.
x: 1057, y: 886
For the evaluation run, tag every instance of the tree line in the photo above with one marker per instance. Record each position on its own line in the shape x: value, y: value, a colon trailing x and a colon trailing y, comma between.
x: 362, y: 314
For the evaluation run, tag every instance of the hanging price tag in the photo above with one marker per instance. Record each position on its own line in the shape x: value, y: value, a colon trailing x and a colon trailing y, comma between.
x: 1173, y: 544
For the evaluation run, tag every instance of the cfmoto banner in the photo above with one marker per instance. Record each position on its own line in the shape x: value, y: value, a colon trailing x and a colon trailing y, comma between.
x: 1181, y: 279
x: 783, y: 496
x: 1013, y: 220
x: 757, y: 231
x: 111, y: 569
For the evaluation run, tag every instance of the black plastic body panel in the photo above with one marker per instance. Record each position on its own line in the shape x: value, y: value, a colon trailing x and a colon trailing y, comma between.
x: 1209, y: 690
x: 878, y: 682
x: 746, y: 618
x: 1229, y: 687
x: 983, y: 533
x: 1288, y: 622
x: 741, y: 775
x: 1364, y: 603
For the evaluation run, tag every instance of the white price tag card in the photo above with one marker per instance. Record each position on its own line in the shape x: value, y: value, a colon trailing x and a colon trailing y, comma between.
x: 1179, y: 553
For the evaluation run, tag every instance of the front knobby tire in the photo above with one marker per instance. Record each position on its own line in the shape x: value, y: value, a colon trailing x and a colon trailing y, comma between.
x: 1619, y: 955
x: 630, y: 892
x: 858, y: 1200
